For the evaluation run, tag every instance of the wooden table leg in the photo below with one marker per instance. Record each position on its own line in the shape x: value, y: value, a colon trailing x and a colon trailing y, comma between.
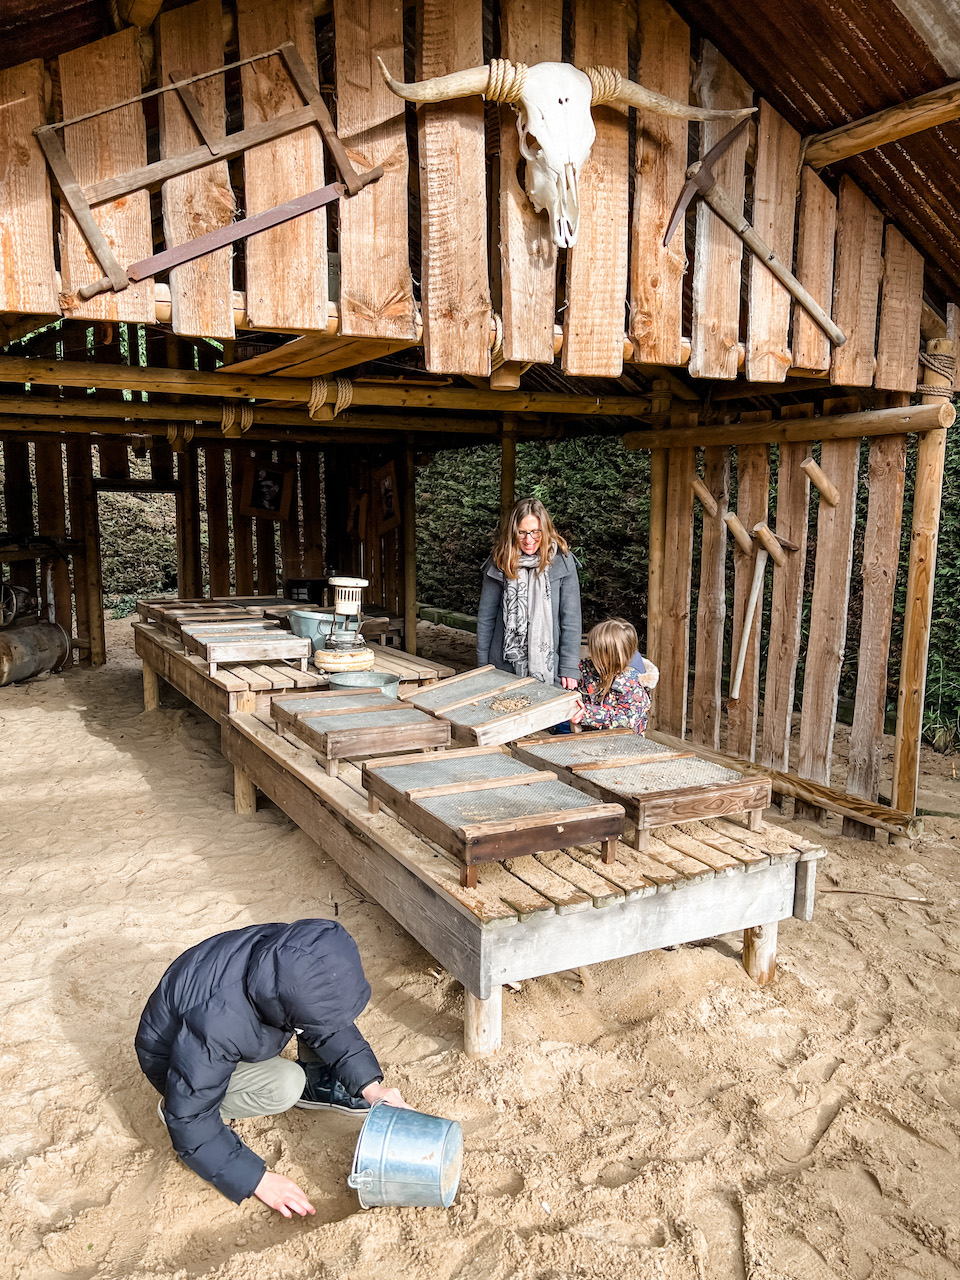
x: 244, y: 793
x: 151, y: 689
x: 610, y: 851
x: 754, y: 819
x: 482, y: 1023
x: 373, y: 804
x: 760, y: 953
x: 468, y: 875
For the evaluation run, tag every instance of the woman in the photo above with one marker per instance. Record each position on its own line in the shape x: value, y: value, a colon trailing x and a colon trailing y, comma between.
x: 528, y: 621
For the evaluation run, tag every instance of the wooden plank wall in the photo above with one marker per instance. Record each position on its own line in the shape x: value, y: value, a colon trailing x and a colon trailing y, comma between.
x: 27, y: 268
x: 190, y: 42
x: 286, y: 266
x: 656, y: 272
x: 711, y: 603
x: 753, y: 495
x: 528, y: 256
x: 597, y: 263
x: 457, y: 318
x: 376, y: 287
x: 674, y: 647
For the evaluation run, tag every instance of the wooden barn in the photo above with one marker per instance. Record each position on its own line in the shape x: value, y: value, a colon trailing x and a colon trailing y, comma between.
x: 231, y: 248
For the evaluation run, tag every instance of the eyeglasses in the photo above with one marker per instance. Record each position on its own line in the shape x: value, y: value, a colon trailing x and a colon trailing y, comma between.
x: 529, y: 535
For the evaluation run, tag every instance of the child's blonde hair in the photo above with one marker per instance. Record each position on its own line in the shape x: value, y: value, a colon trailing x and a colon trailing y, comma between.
x: 611, y: 645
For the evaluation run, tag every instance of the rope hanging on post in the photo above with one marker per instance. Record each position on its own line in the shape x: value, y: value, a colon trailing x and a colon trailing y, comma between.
x: 944, y: 365
x: 228, y: 418
x: 496, y: 347
x: 506, y: 80
x: 607, y: 84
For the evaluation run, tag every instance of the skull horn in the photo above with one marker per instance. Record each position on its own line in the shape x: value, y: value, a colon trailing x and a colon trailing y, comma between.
x: 610, y: 87
x: 461, y: 84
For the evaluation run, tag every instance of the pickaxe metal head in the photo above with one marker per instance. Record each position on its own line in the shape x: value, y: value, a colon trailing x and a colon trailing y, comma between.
x: 701, y: 178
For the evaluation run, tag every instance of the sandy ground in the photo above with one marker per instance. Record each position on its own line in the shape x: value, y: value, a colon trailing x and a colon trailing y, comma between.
x: 657, y: 1117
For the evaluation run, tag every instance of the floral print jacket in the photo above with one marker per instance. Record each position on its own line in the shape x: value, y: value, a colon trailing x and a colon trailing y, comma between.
x: 626, y: 705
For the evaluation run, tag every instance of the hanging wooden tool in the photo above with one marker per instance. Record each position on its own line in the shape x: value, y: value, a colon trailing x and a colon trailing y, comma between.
x: 81, y: 200
x: 702, y: 181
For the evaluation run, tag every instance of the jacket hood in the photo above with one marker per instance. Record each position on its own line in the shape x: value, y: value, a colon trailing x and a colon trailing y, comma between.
x: 307, y: 977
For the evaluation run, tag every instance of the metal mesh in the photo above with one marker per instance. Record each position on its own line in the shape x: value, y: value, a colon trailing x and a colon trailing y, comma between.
x: 436, y: 769
x: 533, y: 695
x: 510, y: 802
x: 314, y: 705
x: 572, y: 749
x: 367, y: 720
x: 672, y: 775
x: 476, y: 686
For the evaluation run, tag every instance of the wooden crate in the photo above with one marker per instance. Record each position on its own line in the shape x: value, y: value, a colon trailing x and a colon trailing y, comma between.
x: 480, y: 804
x: 242, y: 646
x: 657, y: 785
x: 487, y: 707
x: 355, y: 722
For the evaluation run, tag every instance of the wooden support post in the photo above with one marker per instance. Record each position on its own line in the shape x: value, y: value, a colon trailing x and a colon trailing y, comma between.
x: 828, y: 490
x: 658, y: 526
x: 85, y: 526
x: 151, y: 688
x: 508, y: 466
x: 189, y: 579
x: 806, y: 882
x: 760, y: 953
x: 482, y: 1023
x: 919, y: 605
x: 711, y: 603
x: 409, y: 550
x: 244, y: 793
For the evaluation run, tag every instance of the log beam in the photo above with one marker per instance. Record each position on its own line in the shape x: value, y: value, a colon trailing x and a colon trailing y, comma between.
x: 840, y: 426
x: 912, y: 116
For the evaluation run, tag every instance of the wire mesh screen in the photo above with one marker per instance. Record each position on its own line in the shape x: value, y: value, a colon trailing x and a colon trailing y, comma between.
x: 570, y: 749
x: 368, y: 720
x: 511, y: 703
x: 475, y: 686
x: 319, y: 704
x: 437, y: 769
x: 672, y: 775
x: 509, y: 802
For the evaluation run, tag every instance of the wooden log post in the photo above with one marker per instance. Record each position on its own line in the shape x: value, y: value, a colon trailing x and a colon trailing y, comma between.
x: 409, y: 550
x: 753, y: 495
x: 711, y: 604
x: 658, y: 526
x: 760, y: 953
x: 85, y: 526
x: 151, y: 688
x: 675, y: 594
x: 482, y: 1023
x: 919, y: 607
x: 244, y: 793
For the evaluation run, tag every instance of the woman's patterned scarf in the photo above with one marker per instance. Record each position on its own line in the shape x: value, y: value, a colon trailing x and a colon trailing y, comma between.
x: 528, y: 641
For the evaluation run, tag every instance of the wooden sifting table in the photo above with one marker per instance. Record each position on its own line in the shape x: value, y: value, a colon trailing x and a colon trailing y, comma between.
x: 486, y: 706
x: 357, y: 722
x: 658, y: 785
x: 538, y: 914
x: 480, y: 804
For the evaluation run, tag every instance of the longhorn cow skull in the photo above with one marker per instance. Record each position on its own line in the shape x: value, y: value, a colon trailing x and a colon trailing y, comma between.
x: 554, y: 121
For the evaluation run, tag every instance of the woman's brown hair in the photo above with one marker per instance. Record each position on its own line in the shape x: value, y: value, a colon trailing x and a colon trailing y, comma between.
x: 611, y: 645
x: 506, y: 550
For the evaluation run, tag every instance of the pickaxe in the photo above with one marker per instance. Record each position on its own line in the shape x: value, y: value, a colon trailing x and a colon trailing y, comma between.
x: 701, y: 180
x: 768, y: 544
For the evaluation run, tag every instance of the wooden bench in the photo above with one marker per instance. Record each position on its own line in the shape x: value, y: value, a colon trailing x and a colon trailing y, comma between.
x: 535, y: 915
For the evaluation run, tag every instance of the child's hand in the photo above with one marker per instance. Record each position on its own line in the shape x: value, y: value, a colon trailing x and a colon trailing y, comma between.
x: 578, y: 714
x: 568, y: 682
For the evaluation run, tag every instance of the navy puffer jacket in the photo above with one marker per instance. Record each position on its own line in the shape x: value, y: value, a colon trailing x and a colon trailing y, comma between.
x: 239, y: 997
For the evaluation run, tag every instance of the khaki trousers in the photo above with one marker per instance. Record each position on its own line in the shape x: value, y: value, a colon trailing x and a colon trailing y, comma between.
x: 262, y: 1089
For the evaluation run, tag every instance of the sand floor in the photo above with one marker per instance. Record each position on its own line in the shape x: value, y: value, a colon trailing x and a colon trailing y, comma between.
x: 657, y: 1117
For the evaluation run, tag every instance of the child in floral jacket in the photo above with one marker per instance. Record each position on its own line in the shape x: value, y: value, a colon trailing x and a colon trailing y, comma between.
x: 615, y: 681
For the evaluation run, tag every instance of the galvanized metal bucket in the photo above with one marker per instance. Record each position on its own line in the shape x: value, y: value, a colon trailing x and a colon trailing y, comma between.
x: 310, y: 625
x: 407, y: 1158
x: 388, y: 684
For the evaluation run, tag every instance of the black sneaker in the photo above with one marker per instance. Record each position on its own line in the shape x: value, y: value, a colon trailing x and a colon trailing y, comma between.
x: 324, y: 1090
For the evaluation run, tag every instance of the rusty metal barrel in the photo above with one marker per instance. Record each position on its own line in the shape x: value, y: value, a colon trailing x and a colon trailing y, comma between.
x: 28, y: 650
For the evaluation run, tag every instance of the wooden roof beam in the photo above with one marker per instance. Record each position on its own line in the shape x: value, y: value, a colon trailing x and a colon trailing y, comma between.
x: 889, y: 125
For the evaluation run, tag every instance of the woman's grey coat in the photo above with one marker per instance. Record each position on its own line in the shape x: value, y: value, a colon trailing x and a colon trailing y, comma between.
x: 565, y: 605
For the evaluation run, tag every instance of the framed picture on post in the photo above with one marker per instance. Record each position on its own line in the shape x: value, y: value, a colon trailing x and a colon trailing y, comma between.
x: 266, y: 489
x: 387, y: 498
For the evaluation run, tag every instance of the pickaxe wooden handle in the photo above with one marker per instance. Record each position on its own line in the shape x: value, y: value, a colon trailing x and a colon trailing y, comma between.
x: 702, y: 181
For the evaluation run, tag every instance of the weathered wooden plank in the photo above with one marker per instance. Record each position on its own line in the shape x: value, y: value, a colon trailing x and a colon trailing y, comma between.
x: 96, y: 76
x: 190, y: 42
x: 242, y: 524
x: 528, y: 257
x: 633, y: 874
x: 774, y: 210
x: 656, y: 273
x: 85, y: 526
x: 816, y: 237
x: 901, y: 301
x: 566, y: 898
x: 783, y: 648
x: 718, y: 250
x: 711, y: 603
x: 601, y: 892
x: 881, y: 555
x: 856, y: 285
x: 18, y: 509
x: 218, y: 534
x: 703, y: 833
x: 675, y: 630
x: 597, y: 263
x: 690, y: 846
x: 28, y: 281
x: 286, y: 266
x: 52, y: 523
x: 376, y: 287
x: 311, y: 488
x: 753, y: 488
x: 453, y: 199
x: 828, y: 613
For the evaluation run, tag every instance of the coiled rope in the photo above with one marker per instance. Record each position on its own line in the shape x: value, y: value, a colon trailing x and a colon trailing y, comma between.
x: 944, y: 365
x: 318, y: 395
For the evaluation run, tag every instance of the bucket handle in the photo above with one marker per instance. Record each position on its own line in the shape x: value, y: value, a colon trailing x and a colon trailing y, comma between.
x: 360, y: 1181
